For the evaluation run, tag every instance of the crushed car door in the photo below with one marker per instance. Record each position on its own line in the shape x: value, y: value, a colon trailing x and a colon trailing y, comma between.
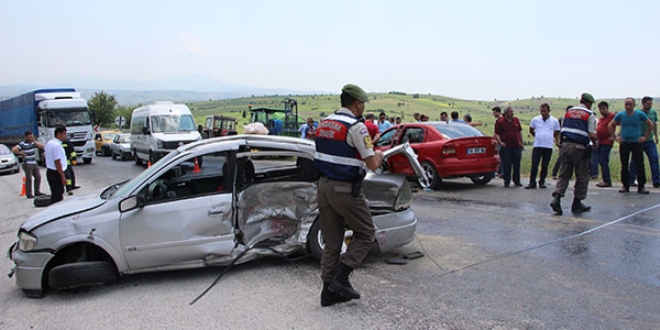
x: 187, y: 217
x: 277, y: 199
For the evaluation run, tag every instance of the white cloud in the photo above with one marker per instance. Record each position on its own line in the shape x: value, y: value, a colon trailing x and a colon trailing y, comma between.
x: 190, y: 46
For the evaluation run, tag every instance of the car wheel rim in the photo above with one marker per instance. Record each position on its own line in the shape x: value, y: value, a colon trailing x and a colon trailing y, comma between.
x: 348, y: 236
x: 429, y: 171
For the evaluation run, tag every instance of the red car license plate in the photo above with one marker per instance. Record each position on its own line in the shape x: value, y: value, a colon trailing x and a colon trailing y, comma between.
x: 474, y: 151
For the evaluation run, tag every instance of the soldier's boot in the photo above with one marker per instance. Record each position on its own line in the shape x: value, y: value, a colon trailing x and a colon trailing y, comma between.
x: 329, y: 298
x: 556, y: 204
x: 340, y: 284
x: 579, y: 207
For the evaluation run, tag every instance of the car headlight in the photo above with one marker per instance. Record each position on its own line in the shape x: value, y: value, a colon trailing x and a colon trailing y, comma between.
x: 26, y: 241
x: 159, y: 144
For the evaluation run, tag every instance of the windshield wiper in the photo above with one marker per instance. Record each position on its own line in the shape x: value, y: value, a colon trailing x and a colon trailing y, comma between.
x: 111, y: 189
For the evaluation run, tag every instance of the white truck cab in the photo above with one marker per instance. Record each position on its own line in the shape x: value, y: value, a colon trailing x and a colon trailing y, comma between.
x: 69, y: 109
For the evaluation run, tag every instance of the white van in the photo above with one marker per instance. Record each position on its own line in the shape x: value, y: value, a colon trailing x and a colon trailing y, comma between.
x: 157, y: 129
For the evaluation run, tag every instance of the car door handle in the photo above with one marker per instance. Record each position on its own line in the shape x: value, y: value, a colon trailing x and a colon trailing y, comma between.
x: 216, y: 210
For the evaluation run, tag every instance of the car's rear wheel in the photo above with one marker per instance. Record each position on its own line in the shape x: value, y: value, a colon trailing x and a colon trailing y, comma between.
x: 482, y: 180
x: 316, y: 242
x: 431, y: 174
x: 81, y: 274
x: 105, y: 151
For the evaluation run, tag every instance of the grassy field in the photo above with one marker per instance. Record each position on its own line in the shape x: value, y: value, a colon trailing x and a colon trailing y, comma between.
x: 404, y: 105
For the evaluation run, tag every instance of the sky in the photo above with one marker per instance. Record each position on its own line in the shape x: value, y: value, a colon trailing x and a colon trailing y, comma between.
x: 478, y: 50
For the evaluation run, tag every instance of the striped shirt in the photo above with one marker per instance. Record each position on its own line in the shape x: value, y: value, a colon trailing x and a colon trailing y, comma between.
x: 30, y: 150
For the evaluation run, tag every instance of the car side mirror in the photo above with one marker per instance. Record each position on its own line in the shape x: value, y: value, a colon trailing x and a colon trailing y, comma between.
x: 131, y: 203
x: 145, y: 130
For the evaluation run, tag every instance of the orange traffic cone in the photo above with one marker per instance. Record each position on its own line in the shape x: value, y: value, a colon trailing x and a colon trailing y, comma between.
x: 23, y: 188
x: 196, y: 169
x: 148, y: 164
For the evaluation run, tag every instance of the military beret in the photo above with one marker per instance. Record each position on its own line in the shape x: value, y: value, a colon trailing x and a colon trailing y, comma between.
x: 588, y: 97
x: 356, y: 92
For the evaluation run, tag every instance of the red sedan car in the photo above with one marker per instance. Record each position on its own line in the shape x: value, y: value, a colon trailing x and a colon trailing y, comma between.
x: 445, y: 150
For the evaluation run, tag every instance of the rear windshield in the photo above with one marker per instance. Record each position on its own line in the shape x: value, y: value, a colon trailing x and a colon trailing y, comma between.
x: 456, y: 130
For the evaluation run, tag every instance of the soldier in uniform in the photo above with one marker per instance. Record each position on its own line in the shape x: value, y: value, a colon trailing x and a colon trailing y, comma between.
x: 343, y: 148
x: 71, y: 161
x: 578, y: 129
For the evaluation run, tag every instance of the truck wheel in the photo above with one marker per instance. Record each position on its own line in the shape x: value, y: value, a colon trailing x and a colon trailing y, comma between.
x: 42, y: 201
x: 87, y: 160
x: 137, y: 159
x: 81, y: 274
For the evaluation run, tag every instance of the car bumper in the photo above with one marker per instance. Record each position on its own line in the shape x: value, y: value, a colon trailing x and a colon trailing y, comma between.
x: 458, y: 168
x: 9, y: 168
x: 395, y: 229
x: 29, y: 267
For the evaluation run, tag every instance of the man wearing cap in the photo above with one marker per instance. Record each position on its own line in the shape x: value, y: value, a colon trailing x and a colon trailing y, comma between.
x: 630, y: 141
x: 578, y: 129
x: 343, y: 148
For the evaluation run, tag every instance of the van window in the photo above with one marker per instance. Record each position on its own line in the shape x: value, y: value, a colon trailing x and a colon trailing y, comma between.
x: 172, y: 123
x: 136, y: 125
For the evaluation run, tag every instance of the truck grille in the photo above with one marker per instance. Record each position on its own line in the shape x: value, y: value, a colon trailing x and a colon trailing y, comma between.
x: 77, y: 135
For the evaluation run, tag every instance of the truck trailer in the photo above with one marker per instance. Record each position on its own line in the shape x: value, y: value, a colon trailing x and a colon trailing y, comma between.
x: 40, y: 111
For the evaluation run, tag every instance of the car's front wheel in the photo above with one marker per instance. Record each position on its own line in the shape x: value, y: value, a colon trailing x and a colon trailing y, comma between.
x: 316, y: 242
x: 81, y: 274
x: 432, y: 174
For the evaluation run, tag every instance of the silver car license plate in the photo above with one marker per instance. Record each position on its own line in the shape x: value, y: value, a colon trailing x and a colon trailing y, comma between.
x: 474, y: 151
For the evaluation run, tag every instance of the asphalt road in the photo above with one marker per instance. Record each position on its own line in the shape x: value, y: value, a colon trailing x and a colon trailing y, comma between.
x: 496, y: 258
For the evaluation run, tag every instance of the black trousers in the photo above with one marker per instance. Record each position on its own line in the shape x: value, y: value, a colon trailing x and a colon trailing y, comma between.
x: 56, y: 187
x: 634, y: 148
x: 543, y: 156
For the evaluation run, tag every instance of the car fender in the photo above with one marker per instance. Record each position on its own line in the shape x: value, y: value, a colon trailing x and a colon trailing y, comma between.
x: 102, y: 243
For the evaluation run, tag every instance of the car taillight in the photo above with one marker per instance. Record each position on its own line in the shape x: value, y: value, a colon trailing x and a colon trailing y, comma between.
x: 448, y: 151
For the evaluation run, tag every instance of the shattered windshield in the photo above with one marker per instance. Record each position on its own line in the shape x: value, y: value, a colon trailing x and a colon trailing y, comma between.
x: 172, y: 123
x: 68, y: 117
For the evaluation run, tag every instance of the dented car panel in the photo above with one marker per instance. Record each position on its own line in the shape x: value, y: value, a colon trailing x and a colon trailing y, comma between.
x: 254, y: 196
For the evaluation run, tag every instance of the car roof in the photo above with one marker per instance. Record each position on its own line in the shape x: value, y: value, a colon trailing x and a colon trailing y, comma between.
x: 234, y: 142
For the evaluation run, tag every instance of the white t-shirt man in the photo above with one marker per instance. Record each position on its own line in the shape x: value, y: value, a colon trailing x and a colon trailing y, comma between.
x: 544, y: 131
x: 55, y: 151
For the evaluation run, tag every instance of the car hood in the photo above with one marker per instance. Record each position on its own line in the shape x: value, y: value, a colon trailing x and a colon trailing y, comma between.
x: 62, y: 209
x: 7, y: 157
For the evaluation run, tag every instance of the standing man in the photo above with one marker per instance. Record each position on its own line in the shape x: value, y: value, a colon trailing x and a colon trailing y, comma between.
x: 371, y: 126
x: 416, y: 116
x: 578, y: 128
x: 28, y: 150
x: 308, y: 129
x: 649, y: 147
x: 454, y: 117
x: 383, y: 123
x: 605, y: 142
x: 343, y: 147
x: 508, y: 133
x: 545, y: 130
x: 56, y: 165
x: 630, y: 140
x: 71, y: 161
x: 555, y: 169
x: 444, y: 117
x: 497, y: 113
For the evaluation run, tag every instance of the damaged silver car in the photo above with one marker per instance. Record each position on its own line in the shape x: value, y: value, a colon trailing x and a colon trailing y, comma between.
x: 254, y: 196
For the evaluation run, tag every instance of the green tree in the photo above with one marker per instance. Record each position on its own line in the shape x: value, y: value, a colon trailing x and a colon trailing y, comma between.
x: 104, y: 106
